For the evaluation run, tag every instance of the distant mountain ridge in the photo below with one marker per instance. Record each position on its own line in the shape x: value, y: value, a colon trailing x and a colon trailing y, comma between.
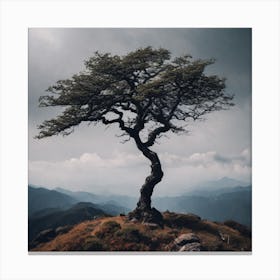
x: 78, y: 213
x: 124, y: 201
x: 41, y: 198
x: 43, y: 201
x: 221, y: 200
x: 216, y: 206
x: 219, y: 191
x: 82, y: 195
x: 225, y: 183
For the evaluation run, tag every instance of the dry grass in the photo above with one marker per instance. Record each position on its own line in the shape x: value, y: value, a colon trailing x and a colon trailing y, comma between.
x: 116, y: 234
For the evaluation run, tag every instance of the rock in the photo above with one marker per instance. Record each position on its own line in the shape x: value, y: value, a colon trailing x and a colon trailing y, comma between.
x: 133, y: 220
x: 191, y: 247
x: 173, y: 247
x: 186, y: 238
x: 151, y: 225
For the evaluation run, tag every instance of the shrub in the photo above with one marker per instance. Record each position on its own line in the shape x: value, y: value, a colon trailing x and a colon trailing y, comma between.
x: 129, y: 234
x: 244, y: 230
x: 207, y: 226
x: 93, y: 244
x: 133, y: 234
x: 108, y: 229
x: 134, y: 247
x: 175, y: 220
x: 165, y: 237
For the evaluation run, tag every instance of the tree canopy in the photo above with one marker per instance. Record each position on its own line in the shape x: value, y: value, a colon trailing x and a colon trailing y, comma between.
x: 142, y: 91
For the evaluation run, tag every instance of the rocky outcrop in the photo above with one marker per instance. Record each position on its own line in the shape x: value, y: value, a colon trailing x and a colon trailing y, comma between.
x: 186, y: 238
x: 191, y: 247
x: 187, y: 242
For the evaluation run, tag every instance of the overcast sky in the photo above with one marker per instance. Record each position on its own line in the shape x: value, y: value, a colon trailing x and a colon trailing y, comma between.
x: 93, y: 159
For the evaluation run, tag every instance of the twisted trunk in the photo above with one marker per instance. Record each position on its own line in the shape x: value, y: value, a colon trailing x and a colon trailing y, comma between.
x: 155, y: 177
x: 143, y: 212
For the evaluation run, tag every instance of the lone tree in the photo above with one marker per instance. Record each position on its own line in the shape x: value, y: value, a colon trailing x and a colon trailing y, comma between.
x: 145, y: 93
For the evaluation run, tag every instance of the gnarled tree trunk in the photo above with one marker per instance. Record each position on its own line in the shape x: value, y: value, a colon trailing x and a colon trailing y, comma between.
x: 155, y: 177
x: 144, y: 212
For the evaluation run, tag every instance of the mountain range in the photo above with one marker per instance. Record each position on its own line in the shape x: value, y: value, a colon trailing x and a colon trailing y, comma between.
x: 42, y: 201
x: 41, y: 198
x: 50, y: 209
x: 236, y: 204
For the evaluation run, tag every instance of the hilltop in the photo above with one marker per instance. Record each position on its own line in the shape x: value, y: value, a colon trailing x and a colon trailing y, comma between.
x: 180, y: 232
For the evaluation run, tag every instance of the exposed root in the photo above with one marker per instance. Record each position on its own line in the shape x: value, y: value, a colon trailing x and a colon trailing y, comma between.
x: 146, y: 216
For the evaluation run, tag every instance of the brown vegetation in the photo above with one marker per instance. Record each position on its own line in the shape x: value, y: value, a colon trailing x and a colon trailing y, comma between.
x: 119, y: 234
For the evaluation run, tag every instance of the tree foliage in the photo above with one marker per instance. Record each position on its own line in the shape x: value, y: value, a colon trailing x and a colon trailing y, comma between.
x: 143, y: 92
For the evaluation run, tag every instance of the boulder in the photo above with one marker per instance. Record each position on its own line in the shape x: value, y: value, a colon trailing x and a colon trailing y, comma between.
x: 190, y: 247
x: 134, y: 220
x: 186, y: 238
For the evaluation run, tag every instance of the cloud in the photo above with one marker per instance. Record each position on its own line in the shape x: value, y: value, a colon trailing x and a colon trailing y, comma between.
x: 206, y: 159
x: 45, y: 36
x: 118, y: 160
x: 91, y: 171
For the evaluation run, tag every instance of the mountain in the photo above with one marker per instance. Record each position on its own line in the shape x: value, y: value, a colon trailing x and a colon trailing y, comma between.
x: 217, y: 204
x: 111, y: 207
x: 79, y: 212
x: 44, y: 212
x: 123, y: 200
x: 42, y: 201
x: 233, y: 205
x: 127, y: 203
x: 224, y: 183
x: 41, y: 198
x: 81, y: 196
x: 219, y: 191
x: 180, y: 233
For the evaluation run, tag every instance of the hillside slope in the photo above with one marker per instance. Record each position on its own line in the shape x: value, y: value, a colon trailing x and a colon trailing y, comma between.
x: 41, y: 198
x: 79, y: 212
x: 181, y: 232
